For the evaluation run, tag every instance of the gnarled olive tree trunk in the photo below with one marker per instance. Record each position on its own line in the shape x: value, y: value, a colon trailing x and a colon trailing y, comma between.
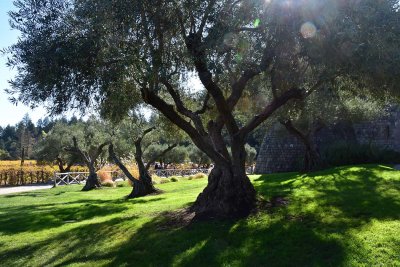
x: 144, y: 185
x: 139, y: 187
x: 229, y: 192
x: 92, y: 181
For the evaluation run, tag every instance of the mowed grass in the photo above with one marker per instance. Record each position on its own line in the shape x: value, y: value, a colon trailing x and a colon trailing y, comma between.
x: 347, y: 216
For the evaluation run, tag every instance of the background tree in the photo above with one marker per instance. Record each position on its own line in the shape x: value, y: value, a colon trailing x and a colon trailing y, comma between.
x: 177, y: 156
x: 117, y: 50
x: 88, y: 142
x: 197, y: 156
x: 326, y: 108
x: 4, y: 155
x: 51, y: 148
x: 9, y: 141
x: 138, y: 132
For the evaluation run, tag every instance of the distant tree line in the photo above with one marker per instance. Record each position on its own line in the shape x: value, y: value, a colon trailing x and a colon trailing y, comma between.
x: 17, y: 142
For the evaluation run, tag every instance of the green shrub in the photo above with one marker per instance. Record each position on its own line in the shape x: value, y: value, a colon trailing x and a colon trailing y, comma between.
x: 345, y: 154
x: 174, y: 179
x: 164, y: 180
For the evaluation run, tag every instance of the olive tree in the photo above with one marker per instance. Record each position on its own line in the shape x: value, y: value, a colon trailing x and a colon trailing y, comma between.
x: 120, y: 53
x: 88, y: 142
x: 138, y: 133
x: 51, y: 147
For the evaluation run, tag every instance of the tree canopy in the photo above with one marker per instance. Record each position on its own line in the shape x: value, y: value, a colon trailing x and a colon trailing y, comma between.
x: 119, y: 54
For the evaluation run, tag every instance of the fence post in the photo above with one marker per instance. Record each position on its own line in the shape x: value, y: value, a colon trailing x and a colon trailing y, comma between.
x: 55, y: 180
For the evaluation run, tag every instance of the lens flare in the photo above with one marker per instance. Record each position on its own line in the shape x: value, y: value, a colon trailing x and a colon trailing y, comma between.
x: 308, y: 30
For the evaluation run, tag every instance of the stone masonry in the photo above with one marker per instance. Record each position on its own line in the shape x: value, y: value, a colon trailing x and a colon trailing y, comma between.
x: 282, y: 152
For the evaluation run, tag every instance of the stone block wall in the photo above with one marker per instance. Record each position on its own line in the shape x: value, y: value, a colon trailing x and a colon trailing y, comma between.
x: 282, y: 152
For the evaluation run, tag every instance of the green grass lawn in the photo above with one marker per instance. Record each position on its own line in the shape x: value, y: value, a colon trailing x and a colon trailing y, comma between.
x: 348, y: 216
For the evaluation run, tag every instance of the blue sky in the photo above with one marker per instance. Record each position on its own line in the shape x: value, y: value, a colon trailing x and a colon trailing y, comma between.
x: 9, y: 113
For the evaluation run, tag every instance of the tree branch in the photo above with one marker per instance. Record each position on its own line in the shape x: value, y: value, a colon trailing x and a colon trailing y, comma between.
x: 75, y: 149
x: 276, y: 103
x: 205, y: 17
x: 194, y: 44
x: 239, y: 86
x: 293, y: 130
x: 147, y: 131
x: 168, y: 111
x: 120, y: 164
x: 100, y: 150
x: 183, y: 110
x: 205, y: 105
x: 165, y: 151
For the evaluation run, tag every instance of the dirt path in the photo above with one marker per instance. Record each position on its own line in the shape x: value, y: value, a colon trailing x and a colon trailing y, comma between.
x: 24, y: 188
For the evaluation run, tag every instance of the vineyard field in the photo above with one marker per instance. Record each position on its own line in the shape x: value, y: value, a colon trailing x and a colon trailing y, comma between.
x: 12, y: 173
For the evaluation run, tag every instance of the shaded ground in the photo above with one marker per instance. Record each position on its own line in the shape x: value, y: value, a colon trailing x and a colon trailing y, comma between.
x: 23, y: 188
x: 347, y: 216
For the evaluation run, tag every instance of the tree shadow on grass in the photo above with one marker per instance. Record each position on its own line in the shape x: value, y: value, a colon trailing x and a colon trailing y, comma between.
x: 27, y: 194
x: 78, y: 243
x: 32, y: 218
x: 369, y: 192
x: 228, y: 243
x: 217, y: 243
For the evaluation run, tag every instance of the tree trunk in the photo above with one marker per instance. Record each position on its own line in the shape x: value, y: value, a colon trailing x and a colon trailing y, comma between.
x: 140, y: 188
x: 22, y: 156
x: 68, y: 168
x: 146, y: 185
x: 312, y: 158
x: 143, y: 186
x: 61, y: 166
x: 92, y: 181
x: 228, y: 194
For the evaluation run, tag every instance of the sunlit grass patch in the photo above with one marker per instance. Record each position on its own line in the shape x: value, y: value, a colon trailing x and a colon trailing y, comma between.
x: 346, y: 216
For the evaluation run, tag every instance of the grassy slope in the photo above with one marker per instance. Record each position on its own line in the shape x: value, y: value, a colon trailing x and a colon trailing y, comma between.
x: 340, y: 217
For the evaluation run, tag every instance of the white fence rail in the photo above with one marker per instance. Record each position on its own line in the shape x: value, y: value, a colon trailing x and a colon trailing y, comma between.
x: 68, y: 178
x: 81, y: 177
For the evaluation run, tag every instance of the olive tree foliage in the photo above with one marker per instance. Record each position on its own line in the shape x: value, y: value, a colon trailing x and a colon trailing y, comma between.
x: 123, y: 52
x: 178, y: 155
x: 197, y: 156
x: 51, y: 147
